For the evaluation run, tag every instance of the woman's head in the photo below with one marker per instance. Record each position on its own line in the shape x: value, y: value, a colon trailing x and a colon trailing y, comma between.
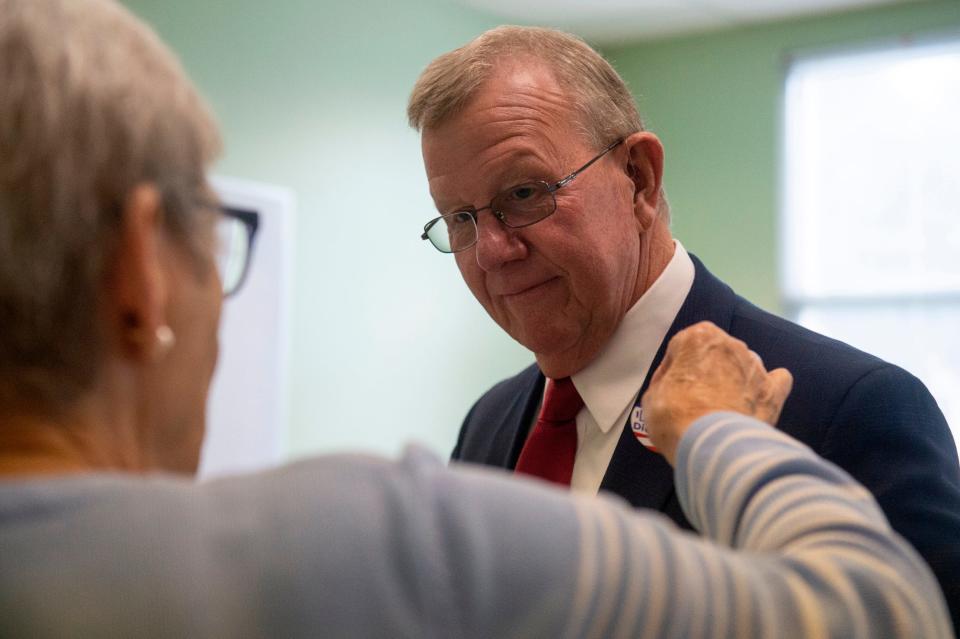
x: 105, y: 217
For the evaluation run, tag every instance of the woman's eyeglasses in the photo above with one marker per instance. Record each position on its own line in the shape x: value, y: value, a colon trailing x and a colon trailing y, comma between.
x: 236, y: 230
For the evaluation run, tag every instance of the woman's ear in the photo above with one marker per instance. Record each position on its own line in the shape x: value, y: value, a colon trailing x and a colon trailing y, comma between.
x: 645, y: 169
x: 137, y: 284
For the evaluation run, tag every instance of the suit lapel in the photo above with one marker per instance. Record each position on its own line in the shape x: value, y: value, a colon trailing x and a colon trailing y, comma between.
x: 520, y: 416
x: 642, y: 477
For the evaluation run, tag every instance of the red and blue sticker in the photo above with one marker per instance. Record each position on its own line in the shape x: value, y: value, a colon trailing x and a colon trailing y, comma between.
x: 639, y: 428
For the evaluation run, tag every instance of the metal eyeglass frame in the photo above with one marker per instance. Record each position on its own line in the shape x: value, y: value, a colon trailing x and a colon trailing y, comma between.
x: 551, y: 189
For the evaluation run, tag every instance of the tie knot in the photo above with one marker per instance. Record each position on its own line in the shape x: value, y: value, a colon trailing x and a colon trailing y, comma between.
x: 561, y: 402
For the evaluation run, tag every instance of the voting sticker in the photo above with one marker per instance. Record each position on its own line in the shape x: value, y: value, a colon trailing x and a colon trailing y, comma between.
x: 639, y: 428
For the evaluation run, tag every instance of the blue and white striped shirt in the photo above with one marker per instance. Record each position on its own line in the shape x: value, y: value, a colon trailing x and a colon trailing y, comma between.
x: 355, y: 546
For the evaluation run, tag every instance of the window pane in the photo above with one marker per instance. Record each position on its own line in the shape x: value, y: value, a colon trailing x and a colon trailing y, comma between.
x: 872, y: 173
x: 920, y: 338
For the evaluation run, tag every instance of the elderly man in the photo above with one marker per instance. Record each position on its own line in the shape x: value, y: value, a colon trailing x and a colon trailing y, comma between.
x: 551, y: 200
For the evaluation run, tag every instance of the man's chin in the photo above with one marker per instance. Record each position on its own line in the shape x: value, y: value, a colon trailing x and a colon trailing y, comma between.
x: 536, y: 338
x: 556, y: 351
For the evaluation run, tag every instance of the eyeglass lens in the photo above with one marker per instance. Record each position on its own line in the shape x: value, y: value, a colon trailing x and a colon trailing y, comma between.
x: 232, y: 248
x: 517, y: 207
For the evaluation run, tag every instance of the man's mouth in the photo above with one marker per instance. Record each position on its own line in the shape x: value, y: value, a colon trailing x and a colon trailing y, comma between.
x: 526, y: 289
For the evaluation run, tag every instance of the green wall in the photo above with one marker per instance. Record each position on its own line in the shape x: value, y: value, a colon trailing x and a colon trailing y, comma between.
x: 715, y: 102
x: 387, y: 343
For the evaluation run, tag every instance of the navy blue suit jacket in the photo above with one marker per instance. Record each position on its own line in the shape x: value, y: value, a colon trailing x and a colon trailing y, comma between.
x: 869, y: 417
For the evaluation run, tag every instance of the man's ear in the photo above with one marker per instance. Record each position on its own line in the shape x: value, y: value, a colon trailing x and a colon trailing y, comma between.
x: 645, y: 169
x: 137, y: 291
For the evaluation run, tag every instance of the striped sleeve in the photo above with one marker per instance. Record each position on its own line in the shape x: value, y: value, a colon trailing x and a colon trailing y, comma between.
x: 801, y: 551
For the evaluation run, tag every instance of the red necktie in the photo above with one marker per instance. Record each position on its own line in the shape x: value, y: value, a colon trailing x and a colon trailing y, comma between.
x: 552, y: 445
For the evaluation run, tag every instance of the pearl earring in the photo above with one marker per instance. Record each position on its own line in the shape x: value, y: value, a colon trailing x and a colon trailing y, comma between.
x: 165, y: 339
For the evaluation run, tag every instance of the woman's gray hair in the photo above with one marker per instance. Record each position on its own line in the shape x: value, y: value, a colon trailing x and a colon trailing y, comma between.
x: 91, y: 105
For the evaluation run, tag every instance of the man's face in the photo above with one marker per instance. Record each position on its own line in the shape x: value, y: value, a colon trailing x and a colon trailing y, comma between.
x: 561, y: 286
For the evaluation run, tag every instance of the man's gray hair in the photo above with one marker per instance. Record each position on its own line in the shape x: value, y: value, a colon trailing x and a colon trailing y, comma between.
x: 598, y: 94
x: 91, y: 104
x: 602, y: 103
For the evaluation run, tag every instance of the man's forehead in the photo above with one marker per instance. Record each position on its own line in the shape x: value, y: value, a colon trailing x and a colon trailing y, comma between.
x: 491, y: 156
x: 459, y: 187
x: 523, y: 81
x: 511, y: 85
x: 519, y: 124
x: 514, y: 136
x: 515, y: 110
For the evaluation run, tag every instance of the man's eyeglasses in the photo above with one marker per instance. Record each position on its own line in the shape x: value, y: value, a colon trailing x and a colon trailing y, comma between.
x: 236, y: 230
x: 517, y: 207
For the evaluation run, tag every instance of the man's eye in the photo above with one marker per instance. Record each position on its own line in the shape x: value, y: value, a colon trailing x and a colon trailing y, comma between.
x: 524, y: 192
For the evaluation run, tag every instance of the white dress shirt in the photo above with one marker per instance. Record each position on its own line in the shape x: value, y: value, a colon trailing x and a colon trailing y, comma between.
x: 609, y: 385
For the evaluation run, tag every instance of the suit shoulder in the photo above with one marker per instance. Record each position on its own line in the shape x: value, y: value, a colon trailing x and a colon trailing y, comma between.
x: 502, y: 398
x: 836, y: 384
x: 781, y: 342
x: 506, y: 390
x: 488, y: 433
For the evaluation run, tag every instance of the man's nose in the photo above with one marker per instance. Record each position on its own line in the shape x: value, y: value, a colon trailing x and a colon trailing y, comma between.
x: 497, y: 243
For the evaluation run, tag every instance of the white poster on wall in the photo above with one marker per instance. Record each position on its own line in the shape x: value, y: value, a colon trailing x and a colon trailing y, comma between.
x: 247, y: 408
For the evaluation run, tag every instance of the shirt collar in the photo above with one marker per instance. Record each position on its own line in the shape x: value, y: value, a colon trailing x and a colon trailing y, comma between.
x: 610, y: 383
